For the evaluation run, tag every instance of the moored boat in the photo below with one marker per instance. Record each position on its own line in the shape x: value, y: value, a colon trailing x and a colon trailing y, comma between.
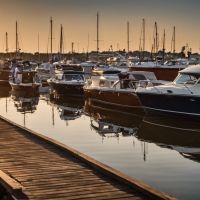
x: 121, y: 95
x: 5, y: 72
x: 181, y: 97
x: 167, y: 71
x: 68, y: 80
x: 44, y: 73
x: 24, y: 79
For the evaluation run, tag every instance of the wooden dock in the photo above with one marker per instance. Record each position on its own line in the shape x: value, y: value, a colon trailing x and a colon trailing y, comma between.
x: 33, y: 166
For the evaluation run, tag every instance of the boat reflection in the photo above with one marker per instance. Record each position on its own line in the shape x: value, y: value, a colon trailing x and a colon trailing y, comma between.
x: 111, y: 123
x: 174, y: 133
x: 25, y: 102
x: 4, y: 91
x: 69, y: 108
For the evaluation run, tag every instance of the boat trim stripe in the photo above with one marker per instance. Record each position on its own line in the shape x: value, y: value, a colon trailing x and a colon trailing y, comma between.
x: 115, y: 104
x: 171, y: 111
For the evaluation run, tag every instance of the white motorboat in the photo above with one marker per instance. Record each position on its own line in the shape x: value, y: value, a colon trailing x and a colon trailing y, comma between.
x: 182, y: 96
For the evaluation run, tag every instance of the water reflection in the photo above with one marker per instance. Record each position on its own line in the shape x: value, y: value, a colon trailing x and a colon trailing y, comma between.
x: 111, y: 123
x: 4, y: 91
x: 69, y: 108
x: 25, y: 102
x: 174, y: 133
x: 160, y: 150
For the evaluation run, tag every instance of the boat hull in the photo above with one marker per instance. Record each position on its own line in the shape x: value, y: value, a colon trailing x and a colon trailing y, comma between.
x: 124, y: 101
x: 67, y: 89
x: 167, y: 74
x: 182, y: 105
x: 25, y: 87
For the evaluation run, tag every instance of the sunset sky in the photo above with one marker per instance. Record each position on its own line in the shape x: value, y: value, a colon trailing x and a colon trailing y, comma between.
x: 79, y: 20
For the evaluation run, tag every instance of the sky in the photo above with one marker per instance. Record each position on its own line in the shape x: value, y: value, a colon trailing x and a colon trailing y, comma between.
x: 78, y: 18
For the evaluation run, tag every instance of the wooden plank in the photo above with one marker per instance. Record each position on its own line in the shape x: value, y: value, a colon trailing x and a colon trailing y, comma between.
x: 43, y: 178
x: 12, y: 186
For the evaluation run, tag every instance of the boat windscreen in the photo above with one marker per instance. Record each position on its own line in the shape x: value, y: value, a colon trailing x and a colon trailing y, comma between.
x: 72, y: 77
x: 139, y: 77
x: 112, y: 72
x: 186, y: 79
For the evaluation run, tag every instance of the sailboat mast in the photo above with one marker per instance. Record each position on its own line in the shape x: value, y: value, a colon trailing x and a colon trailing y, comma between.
x: 6, y: 42
x: 61, y: 39
x: 174, y: 40
x: 143, y: 34
x: 97, y: 32
x: 156, y: 39
x: 163, y: 57
x: 128, y: 41
x: 51, y: 38
x: 16, y: 32
x: 164, y: 41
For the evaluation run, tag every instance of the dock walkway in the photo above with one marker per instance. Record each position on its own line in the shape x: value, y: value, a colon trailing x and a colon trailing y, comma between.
x: 33, y: 166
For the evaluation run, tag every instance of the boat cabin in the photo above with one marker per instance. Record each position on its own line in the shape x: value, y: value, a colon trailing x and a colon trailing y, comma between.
x: 70, y: 76
x: 103, y: 77
x: 132, y: 79
x: 25, y: 76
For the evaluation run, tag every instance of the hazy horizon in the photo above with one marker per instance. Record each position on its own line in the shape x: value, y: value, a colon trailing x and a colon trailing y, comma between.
x: 78, y: 18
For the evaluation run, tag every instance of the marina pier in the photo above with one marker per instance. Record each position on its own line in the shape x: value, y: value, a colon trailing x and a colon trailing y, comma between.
x: 33, y: 166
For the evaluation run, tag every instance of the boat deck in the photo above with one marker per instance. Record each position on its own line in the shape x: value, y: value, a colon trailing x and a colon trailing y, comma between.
x: 33, y: 166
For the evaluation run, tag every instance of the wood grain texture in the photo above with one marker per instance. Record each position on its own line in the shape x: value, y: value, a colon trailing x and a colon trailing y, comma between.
x: 46, y: 169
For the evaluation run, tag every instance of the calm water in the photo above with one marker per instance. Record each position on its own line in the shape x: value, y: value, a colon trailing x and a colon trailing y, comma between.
x: 166, y: 158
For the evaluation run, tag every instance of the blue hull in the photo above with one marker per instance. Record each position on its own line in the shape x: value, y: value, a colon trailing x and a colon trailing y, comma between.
x: 174, y: 104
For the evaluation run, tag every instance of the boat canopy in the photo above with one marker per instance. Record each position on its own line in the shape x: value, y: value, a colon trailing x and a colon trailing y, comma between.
x: 193, y: 69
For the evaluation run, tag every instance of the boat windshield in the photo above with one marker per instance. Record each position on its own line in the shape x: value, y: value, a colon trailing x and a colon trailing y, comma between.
x: 73, y: 77
x: 186, y: 79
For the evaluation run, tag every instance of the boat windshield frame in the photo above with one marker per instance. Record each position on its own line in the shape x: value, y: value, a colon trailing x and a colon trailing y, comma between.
x: 184, y: 78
